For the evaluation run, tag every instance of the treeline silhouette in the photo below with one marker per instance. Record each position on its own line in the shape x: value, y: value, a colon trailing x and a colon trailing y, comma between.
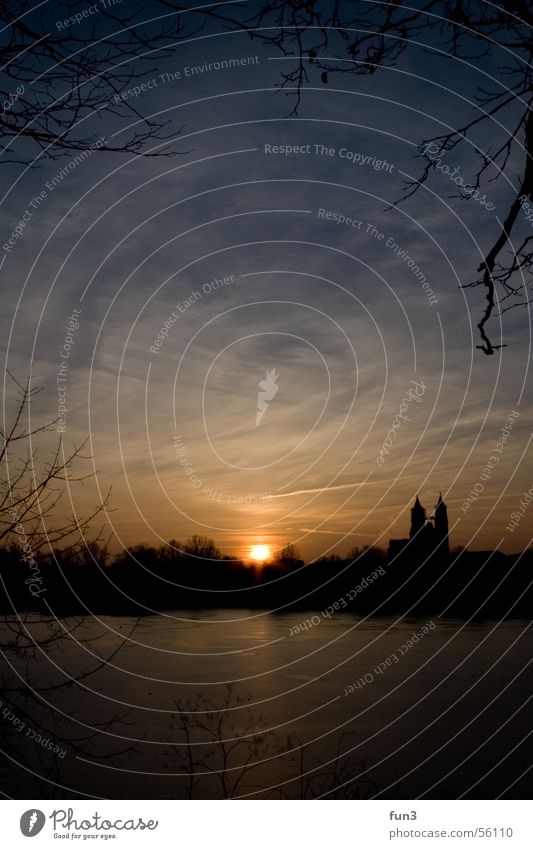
x: 145, y: 580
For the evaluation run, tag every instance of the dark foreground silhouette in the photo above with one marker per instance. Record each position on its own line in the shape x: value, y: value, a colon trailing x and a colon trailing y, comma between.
x: 196, y: 575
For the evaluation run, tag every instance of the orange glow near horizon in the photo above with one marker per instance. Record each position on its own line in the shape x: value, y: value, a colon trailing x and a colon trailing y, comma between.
x: 260, y: 553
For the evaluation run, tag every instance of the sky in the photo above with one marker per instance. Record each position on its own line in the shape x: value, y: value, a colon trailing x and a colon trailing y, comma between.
x: 238, y: 253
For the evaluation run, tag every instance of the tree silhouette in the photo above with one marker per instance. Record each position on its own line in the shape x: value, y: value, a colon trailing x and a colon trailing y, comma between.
x: 203, y: 547
x: 224, y: 748
x: 331, y: 39
x: 30, y: 498
x: 31, y: 490
x: 55, y: 77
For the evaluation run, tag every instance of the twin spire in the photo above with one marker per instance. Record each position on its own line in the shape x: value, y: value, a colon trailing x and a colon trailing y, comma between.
x: 426, y: 535
x: 436, y: 525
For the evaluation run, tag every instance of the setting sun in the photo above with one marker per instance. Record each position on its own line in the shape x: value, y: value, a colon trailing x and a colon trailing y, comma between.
x: 259, y: 553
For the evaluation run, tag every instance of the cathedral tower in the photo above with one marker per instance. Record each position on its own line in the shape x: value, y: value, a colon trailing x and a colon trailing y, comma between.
x: 418, y: 519
x: 441, y: 527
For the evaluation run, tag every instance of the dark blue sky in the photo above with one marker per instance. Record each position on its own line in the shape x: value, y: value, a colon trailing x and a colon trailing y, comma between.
x: 243, y: 246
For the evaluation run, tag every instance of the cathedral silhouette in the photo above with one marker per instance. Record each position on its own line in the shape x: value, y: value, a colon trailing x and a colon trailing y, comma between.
x: 428, y: 537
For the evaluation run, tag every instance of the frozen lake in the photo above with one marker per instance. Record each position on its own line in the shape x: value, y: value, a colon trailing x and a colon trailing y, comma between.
x: 444, y: 714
